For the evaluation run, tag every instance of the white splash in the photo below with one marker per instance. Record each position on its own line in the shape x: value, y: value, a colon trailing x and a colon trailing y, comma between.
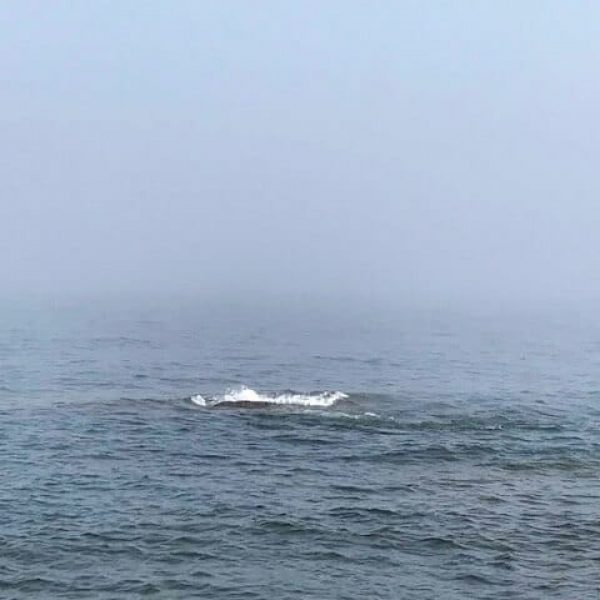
x: 199, y: 400
x: 247, y: 395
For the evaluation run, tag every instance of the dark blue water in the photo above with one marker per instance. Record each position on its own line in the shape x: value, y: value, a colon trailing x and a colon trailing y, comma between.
x: 462, y: 460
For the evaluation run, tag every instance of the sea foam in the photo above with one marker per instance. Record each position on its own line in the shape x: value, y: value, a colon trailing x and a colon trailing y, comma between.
x: 247, y: 396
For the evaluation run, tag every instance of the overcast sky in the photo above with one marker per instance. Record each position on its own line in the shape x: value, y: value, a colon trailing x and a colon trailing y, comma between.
x: 404, y: 149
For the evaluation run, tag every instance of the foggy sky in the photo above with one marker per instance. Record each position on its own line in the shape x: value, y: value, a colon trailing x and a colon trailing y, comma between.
x: 399, y: 149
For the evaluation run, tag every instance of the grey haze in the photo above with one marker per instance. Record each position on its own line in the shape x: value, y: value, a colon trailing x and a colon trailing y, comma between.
x: 404, y: 150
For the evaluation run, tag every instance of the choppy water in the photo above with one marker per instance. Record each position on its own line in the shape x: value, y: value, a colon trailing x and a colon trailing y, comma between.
x: 406, y: 455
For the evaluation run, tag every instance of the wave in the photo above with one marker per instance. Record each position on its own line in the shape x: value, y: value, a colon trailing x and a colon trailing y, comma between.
x: 249, y: 398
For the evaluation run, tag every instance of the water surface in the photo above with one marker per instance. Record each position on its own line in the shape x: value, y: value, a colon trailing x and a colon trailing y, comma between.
x: 180, y: 451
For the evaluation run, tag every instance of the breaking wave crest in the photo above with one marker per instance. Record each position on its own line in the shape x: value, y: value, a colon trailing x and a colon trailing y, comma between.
x: 248, y: 397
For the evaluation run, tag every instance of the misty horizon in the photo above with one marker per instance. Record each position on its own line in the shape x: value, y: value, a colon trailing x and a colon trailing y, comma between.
x: 399, y: 153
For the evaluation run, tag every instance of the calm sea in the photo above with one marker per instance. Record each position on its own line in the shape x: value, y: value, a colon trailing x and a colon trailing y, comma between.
x: 183, y: 450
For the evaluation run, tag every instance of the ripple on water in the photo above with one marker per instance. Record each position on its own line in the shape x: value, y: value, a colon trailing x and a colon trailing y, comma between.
x: 133, y: 498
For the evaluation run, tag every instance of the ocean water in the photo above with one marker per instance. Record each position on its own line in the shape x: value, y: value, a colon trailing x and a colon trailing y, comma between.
x: 183, y: 450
